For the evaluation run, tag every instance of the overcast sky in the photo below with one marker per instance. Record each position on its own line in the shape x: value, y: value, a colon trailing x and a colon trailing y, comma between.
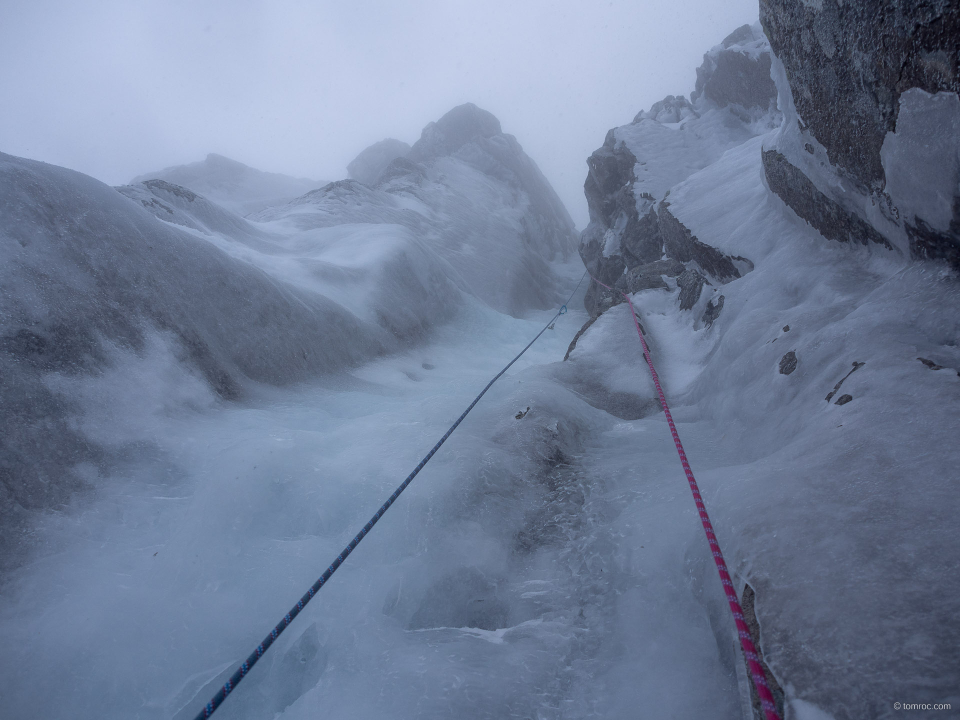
x: 116, y: 89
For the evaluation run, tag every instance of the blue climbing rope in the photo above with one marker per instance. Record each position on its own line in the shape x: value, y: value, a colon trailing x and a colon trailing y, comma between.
x: 248, y: 664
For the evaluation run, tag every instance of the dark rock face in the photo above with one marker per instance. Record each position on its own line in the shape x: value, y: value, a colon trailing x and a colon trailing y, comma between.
x: 856, y: 366
x: 681, y: 244
x: 609, y: 189
x: 642, y: 239
x: 712, y: 312
x: 607, y: 270
x: 870, y: 82
x: 930, y: 244
x: 367, y: 166
x: 825, y: 215
x: 612, y: 205
x: 788, y: 363
x: 848, y: 63
x: 729, y: 77
x: 691, y: 285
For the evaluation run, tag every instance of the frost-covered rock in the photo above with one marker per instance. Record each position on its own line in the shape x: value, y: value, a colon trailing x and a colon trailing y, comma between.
x: 864, y: 92
x: 737, y: 72
x: 468, y: 193
x: 367, y: 166
x: 632, y: 174
x: 232, y: 184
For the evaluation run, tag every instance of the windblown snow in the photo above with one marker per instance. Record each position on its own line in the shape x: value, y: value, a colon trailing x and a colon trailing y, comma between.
x: 202, y: 409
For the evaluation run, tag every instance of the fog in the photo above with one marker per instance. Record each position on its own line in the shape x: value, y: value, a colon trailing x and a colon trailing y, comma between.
x: 116, y: 89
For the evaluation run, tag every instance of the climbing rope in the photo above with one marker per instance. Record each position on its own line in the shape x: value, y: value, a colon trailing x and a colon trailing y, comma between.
x: 749, y: 651
x: 248, y: 664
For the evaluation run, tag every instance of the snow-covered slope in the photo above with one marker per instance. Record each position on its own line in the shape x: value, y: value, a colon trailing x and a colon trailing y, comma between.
x: 232, y: 184
x: 94, y: 278
x: 90, y: 277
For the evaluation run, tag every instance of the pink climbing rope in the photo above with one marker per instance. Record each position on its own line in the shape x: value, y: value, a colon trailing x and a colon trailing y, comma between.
x: 753, y: 659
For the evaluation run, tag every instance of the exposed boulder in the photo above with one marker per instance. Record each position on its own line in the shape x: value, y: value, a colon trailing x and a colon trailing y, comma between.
x: 691, y: 285
x: 371, y: 162
x: 788, y: 363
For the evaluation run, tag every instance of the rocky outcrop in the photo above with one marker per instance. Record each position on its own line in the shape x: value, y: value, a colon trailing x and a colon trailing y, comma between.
x: 824, y: 214
x: 367, y: 166
x: 788, y: 363
x: 736, y: 76
x: 681, y: 244
x: 633, y: 241
x: 691, y: 285
x: 869, y: 94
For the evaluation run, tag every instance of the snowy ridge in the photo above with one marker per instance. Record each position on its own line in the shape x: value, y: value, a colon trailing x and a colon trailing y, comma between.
x: 472, y: 196
x: 232, y: 184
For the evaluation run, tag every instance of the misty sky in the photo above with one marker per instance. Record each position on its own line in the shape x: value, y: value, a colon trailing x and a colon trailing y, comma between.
x: 116, y: 89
